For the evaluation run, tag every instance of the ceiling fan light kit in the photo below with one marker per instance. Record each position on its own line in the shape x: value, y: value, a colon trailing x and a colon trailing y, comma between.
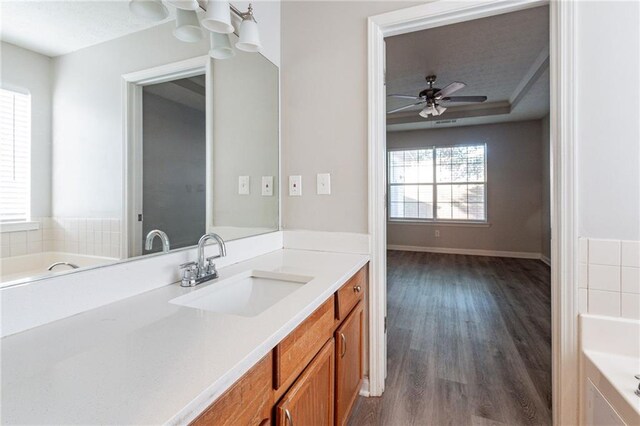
x: 217, y: 20
x: 431, y: 96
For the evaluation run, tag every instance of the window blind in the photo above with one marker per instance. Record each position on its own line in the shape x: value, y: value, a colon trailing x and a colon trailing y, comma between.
x: 15, y: 156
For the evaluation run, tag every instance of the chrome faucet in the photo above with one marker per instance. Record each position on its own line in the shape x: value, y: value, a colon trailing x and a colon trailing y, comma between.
x: 198, y: 272
x: 148, y: 245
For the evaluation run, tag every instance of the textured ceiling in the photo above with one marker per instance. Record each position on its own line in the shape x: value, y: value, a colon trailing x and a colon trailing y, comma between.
x: 55, y: 28
x: 491, y: 55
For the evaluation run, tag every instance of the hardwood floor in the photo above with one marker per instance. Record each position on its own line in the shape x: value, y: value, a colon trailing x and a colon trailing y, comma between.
x: 469, y: 343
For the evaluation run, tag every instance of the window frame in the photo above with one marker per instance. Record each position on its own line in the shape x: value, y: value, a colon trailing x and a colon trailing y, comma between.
x: 435, y: 219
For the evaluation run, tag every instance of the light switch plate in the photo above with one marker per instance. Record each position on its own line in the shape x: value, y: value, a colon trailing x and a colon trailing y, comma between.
x: 267, y: 186
x: 243, y: 185
x: 324, y: 184
x: 295, y: 186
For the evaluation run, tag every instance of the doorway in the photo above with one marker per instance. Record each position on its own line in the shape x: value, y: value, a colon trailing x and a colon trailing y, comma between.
x: 174, y: 161
x: 564, y: 315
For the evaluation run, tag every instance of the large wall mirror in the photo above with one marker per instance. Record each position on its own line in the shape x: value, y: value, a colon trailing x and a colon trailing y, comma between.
x: 112, y: 129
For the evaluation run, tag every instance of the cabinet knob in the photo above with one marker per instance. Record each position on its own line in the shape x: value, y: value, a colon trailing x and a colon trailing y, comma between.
x: 357, y: 289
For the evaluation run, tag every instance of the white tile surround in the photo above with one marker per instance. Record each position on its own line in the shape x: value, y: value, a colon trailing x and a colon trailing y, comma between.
x: 90, y: 236
x: 609, y: 277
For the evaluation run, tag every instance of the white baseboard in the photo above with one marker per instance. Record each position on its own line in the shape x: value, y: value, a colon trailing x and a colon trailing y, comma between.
x: 545, y: 260
x: 344, y: 242
x: 364, y: 389
x: 470, y: 252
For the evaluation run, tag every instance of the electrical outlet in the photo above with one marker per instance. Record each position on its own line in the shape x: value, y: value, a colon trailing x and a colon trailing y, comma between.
x: 324, y: 184
x: 295, y: 186
x: 267, y: 186
x: 243, y: 185
x: 437, y: 233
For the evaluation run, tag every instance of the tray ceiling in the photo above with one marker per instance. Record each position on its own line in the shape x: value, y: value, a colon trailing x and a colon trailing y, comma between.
x: 504, y: 57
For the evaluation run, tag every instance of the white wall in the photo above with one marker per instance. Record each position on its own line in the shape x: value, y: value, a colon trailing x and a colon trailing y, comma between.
x: 23, y: 69
x: 87, y: 100
x: 514, y: 189
x: 245, y: 140
x: 608, y: 46
x: 324, y: 110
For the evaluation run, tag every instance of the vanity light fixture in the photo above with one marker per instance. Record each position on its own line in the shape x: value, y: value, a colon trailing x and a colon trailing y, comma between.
x: 220, y: 46
x: 187, y: 26
x: 249, y: 35
x: 217, y: 19
x: 153, y: 10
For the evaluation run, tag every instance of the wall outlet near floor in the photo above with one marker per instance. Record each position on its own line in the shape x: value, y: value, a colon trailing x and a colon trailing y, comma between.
x: 243, y: 185
x: 323, y: 184
x: 267, y: 186
x: 295, y: 186
x: 437, y: 233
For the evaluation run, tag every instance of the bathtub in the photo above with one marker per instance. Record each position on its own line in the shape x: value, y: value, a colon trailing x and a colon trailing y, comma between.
x: 36, y: 265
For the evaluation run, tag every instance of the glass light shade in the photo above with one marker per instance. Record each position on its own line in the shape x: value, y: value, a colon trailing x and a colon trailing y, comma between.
x: 220, y: 46
x: 218, y: 17
x: 184, y: 4
x: 249, y: 36
x: 149, y: 9
x: 187, y: 26
x: 440, y: 109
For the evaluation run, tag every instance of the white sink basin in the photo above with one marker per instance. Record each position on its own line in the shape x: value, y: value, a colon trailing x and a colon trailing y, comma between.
x: 246, y: 294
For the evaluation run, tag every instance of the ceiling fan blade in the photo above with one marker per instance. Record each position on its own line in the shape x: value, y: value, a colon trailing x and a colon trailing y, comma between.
x: 449, y: 89
x: 403, y: 96
x: 405, y: 107
x: 464, y: 99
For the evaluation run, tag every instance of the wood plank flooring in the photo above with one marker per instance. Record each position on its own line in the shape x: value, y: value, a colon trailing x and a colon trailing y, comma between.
x: 469, y: 343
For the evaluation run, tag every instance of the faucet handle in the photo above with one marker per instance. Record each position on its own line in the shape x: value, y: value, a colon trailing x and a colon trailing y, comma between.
x: 188, y: 265
x: 189, y: 275
x: 211, y: 267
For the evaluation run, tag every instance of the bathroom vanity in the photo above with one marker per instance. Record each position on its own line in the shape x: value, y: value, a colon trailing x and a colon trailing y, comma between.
x: 151, y: 359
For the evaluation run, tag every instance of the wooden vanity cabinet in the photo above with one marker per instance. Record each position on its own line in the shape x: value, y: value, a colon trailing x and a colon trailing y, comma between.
x: 349, y: 371
x: 312, y: 377
x: 310, y: 400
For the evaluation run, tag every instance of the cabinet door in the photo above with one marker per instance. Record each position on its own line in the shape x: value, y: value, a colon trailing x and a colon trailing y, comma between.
x: 348, y: 363
x: 309, y: 402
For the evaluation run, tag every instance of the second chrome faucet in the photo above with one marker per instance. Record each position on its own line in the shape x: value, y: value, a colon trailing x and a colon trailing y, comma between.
x: 204, y: 269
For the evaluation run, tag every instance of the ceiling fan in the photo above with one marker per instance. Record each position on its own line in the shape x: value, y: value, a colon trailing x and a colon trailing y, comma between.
x: 432, y: 96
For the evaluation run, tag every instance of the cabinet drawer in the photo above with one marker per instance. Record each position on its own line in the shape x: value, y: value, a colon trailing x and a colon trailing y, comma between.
x: 352, y: 292
x: 247, y: 402
x: 296, y: 350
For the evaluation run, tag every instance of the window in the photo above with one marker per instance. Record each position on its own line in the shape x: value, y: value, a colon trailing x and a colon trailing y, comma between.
x: 438, y: 183
x: 15, y: 156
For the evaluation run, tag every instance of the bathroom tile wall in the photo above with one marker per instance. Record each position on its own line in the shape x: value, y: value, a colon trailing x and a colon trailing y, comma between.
x: 609, y: 277
x: 89, y: 236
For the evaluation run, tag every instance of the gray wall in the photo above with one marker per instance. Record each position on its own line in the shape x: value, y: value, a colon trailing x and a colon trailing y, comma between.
x: 174, y: 170
x: 324, y: 110
x: 545, y: 220
x: 24, y: 69
x: 245, y: 140
x: 514, y: 189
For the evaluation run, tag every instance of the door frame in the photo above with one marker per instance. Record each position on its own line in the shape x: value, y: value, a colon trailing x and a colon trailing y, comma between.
x: 132, y: 85
x: 564, y: 312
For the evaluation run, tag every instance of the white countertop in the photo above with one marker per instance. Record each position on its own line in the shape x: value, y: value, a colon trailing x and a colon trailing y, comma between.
x: 144, y: 360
